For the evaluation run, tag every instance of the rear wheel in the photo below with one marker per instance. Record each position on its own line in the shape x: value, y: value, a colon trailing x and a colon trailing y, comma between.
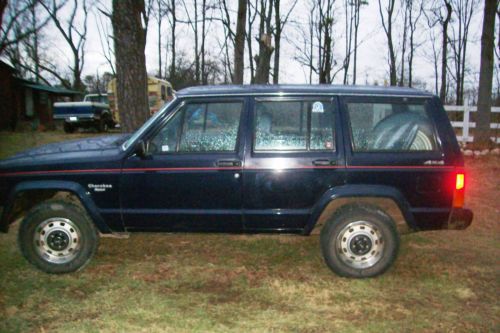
x: 68, y: 128
x: 102, y: 125
x: 58, y: 237
x: 359, y: 241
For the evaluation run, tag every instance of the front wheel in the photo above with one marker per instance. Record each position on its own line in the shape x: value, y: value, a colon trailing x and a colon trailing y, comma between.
x: 58, y: 237
x: 359, y: 241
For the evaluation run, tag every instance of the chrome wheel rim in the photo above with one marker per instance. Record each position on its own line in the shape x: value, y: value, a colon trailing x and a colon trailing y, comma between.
x: 360, y: 244
x: 57, y: 240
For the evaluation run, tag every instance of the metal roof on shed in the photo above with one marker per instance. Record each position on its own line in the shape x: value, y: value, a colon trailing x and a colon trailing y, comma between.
x: 54, y: 90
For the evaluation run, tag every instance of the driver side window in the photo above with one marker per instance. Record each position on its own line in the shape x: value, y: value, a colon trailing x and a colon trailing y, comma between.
x: 200, y: 127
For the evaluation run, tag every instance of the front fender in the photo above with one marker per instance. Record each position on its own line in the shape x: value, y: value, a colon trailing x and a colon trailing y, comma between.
x: 72, y: 187
x: 378, y: 191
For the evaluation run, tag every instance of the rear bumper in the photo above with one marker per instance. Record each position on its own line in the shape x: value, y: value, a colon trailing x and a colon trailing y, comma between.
x: 460, y: 219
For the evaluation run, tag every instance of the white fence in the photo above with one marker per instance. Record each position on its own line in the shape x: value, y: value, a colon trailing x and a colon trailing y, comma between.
x: 466, y: 124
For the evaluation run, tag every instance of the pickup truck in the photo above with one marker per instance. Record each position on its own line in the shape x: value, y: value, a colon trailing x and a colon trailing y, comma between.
x: 94, y: 112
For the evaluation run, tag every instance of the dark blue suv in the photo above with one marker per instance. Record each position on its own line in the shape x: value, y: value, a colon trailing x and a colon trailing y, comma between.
x: 362, y: 165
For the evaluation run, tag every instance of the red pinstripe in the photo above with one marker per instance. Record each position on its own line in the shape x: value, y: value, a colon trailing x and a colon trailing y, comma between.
x: 49, y: 172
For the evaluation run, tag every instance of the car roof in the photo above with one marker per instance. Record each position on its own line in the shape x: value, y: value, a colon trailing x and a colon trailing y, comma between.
x: 299, y: 89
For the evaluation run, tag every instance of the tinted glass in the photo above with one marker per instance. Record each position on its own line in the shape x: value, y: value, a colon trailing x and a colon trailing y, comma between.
x: 166, y: 139
x: 293, y: 125
x: 390, y: 127
x: 321, y: 129
x: 200, y: 127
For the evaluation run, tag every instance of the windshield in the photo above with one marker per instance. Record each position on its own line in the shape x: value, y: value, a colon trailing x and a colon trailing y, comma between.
x: 97, y: 99
x: 145, y: 126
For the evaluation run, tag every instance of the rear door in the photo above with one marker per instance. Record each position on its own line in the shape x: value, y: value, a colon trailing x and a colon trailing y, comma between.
x: 293, y: 155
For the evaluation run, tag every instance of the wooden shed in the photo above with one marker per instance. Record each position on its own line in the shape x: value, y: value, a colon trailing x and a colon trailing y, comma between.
x: 27, y: 101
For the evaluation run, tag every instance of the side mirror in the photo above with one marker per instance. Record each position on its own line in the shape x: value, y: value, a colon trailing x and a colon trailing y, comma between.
x: 141, y: 149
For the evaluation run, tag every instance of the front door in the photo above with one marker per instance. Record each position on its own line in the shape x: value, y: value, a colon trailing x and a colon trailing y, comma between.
x: 294, y: 156
x: 190, y: 179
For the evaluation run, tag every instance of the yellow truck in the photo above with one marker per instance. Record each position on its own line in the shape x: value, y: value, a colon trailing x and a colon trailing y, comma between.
x: 159, y: 93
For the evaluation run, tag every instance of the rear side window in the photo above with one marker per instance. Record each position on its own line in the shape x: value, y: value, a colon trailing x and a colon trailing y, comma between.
x: 294, y: 125
x: 390, y: 127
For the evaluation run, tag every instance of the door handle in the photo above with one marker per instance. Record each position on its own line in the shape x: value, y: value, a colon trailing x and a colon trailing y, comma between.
x: 228, y: 163
x: 323, y: 162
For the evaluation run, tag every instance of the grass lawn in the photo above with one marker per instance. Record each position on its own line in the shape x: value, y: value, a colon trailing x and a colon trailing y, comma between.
x: 446, y: 281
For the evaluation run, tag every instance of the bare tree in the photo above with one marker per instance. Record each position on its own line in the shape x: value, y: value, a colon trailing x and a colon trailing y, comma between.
x: 316, y: 50
x: 193, y: 20
x: 444, y: 21
x: 159, y: 13
x: 229, y: 40
x: 15, y: 22
x: 433, y: 55
x: 406, y: 6
x: 280, y: 23
x: 239, y: 43
x: 441, y: 13
x: 105, y: 38
x: 172, y: 18
x: 458, y: 43
x: 325, y: 40
x: 266, y: 49
x: 413, y: 19
x: 129, y: 21
x: 305, y: 49
x: 250, y: 21
x: 349, y: 13
x: 74, y: 35
x: 482, y: 133
x: 357, y: 11
x: 388, y: 32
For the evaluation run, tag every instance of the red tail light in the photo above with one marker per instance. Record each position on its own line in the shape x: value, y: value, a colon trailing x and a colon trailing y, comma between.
x: 458, y: 196
x: 460, y: 181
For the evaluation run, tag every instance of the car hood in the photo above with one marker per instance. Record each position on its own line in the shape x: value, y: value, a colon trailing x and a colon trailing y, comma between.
x: 67, y: 151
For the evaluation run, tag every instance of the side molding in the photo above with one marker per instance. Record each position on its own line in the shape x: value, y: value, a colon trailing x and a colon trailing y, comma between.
x: 72, y: 187
x: 349, y: 191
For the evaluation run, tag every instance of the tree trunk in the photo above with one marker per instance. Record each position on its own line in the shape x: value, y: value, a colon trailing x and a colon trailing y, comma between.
x: 388, y: 32
x: 277, y: 41
x: 77, y: 81
x: 482, y: 132
x: 264, y: 59
x: 407, y: 8
x: 356, y: 28
x: 444, y: 54
x: 159, y: 39
x: 174, y: 23
x: 239, y: 43
x: 131, y: 77
x: 249, y: 42
x: 266, y: 49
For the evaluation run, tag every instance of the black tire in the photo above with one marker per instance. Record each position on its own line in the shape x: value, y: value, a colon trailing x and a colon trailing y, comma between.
x: 68, y: 128
x: 359, y: 241
x: 63, y: 247
x: 102, y: 125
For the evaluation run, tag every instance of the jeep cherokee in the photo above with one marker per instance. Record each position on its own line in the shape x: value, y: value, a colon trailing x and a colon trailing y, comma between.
x: 362, y: 165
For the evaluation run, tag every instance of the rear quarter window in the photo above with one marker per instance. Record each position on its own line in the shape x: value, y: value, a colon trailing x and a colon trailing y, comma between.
x: 391, y: 126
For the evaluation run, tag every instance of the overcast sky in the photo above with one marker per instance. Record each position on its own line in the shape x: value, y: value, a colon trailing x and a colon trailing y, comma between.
x: 372, y: 54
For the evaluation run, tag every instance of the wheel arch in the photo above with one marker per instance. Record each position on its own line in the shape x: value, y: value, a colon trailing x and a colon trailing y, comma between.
x: 52, y: 187
x: 389, y: 199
